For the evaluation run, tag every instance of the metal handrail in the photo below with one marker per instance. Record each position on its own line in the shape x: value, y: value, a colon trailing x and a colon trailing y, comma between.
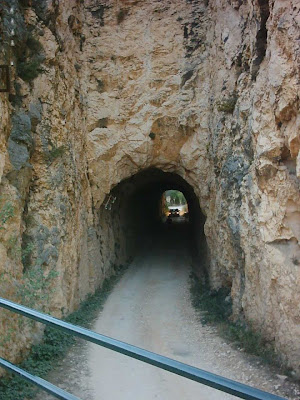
x: 37, y: 381
x: 187, y: 371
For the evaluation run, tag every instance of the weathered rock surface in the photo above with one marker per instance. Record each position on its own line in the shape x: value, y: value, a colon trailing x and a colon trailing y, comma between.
x: 207, y: 90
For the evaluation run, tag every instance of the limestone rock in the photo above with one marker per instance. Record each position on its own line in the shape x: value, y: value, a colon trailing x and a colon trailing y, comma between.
x: 206, y: 90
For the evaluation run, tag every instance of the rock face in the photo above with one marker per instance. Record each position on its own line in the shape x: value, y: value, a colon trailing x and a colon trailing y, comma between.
x: 207, y: 90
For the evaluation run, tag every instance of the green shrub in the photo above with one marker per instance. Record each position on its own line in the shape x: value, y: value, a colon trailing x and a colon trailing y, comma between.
x: 34, y: 45
x: 54, y: 153
x: 26, y: 251
x: 227, y: 105
x: 30, y: 59
x: 29, y: 70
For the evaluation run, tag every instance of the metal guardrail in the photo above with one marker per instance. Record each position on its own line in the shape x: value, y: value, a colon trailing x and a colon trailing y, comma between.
x: 187, y: 371
x: 35, y: 380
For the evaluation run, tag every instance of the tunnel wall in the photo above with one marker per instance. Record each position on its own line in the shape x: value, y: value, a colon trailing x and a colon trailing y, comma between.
x: 205, y: 90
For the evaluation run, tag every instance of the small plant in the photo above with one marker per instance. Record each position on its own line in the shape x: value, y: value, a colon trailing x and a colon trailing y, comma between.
x: 213, y: 301
x: 16, y: 250
x: 54, y: 153
x: 6, y: 212
x: 26, y: 252
x: 13, y: 247
x: 36, y: 287
x: 33, y: 44
x: 227, y: 105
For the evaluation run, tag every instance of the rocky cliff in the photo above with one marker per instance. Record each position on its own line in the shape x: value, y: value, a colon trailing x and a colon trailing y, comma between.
x: 102, y: 90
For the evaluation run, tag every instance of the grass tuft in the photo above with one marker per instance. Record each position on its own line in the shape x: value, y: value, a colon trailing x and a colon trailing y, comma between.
x: 213, y: 305
x: 29, y: 70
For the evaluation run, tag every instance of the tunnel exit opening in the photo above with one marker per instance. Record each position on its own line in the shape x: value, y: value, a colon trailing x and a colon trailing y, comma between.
x: 174, y: 207
x: 138, y: 217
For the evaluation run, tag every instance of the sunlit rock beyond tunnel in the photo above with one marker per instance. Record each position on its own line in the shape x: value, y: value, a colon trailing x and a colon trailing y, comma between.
x: 104, y: 106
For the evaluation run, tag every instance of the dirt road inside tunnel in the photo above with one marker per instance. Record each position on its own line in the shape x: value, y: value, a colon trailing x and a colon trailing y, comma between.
x: 150, y: 307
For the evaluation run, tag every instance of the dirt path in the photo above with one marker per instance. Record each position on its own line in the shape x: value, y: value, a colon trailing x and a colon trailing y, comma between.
x: 150, y: 307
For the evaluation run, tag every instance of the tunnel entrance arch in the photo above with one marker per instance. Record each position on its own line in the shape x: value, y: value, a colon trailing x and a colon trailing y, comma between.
x: 131, y: 214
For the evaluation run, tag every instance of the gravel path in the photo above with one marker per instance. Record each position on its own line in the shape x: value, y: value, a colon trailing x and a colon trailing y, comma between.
x: 150, y: 307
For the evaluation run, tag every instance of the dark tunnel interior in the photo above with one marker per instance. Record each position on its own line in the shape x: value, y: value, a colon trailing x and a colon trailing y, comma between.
x: 136, y: 214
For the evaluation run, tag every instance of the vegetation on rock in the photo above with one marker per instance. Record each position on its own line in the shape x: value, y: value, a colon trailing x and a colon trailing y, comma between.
x: 44, y: 356
x: 30, y: 59
x: 6, y: 212
x: 54, y: 153
x: 227, y: 105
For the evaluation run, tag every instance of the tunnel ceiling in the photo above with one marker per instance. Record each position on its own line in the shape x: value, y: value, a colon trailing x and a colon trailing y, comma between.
x: 154, y: 179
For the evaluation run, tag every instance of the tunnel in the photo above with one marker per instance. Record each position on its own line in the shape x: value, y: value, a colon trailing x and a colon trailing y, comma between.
x: 131, y: 218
